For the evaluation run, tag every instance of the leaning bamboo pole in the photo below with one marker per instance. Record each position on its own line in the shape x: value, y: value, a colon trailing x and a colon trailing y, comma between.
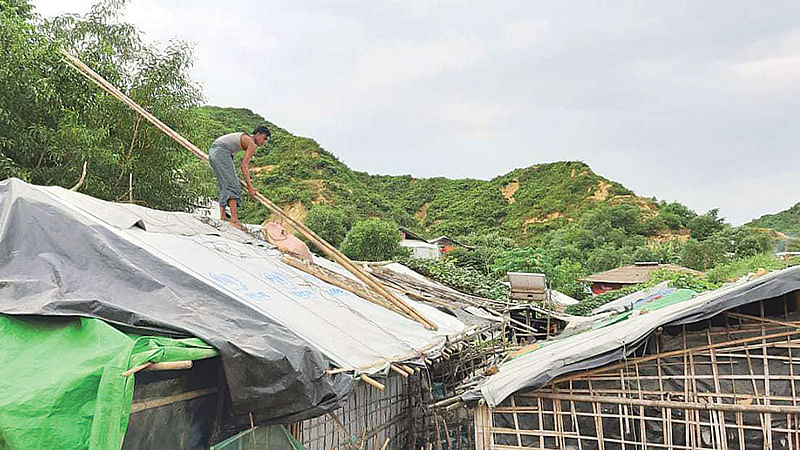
x: 324, y: 246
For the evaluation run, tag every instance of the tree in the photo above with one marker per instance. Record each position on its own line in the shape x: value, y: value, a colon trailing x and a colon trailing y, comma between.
x: 329, y: 223
x: 702, y: 255
x: 52, y: 120
x: 522, y: 259
x: 372, y: 240
x: 706, y: 225
x: 749, y: 242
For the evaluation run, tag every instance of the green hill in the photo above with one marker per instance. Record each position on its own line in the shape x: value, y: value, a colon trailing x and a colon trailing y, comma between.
x: 525, y: 203
x: 787, y: 221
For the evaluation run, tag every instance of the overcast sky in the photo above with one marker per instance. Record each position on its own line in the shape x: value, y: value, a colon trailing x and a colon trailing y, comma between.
x: 689, y: 101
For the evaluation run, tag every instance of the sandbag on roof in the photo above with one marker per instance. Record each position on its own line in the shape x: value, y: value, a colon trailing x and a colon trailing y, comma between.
x: 277, y: 328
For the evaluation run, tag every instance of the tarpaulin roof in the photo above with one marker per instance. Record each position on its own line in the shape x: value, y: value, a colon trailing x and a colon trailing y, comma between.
x: 277, y: 328
x: 610, y: 343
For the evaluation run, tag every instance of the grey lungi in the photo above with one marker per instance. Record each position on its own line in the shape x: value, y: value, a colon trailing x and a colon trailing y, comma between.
x: 221, y: 160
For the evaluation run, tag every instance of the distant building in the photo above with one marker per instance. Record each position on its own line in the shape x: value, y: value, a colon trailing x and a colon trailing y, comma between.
x: 428, y: 249
x: 628, y: 275
x: 420, y: 248
x: 447, y: 244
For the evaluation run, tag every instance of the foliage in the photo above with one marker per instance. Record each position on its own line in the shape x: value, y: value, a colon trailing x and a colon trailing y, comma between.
x: 459, y: 278
x: 521, y: 259
x: 487, y: 247
x: 587, y: 305
x: 329, y: 223
x: 734, y: 270
x: 787, y: 221
x: 703, y: 255
x: 372, y: 240
x: 52, y: 119
x: 703, y: 227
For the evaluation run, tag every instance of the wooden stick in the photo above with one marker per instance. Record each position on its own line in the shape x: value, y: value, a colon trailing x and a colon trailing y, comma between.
x: 386, y: 444
x: 372, y: 382
x: 173, y: 365
x: 697, y: 406
x: 324, y: 246
x: 163, y: 401
x: 407, y: 369
x: 133, y: 370
x: 402, y: 372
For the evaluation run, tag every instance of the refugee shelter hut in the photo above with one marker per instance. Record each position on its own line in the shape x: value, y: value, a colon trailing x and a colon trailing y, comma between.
x: 446, y: 244
x: 277, y: 344
x: 419, y: 247
x: 715, y: 370
x: 630, y: 275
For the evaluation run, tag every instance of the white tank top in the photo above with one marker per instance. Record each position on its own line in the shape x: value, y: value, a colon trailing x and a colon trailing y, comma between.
x: 230, y: 141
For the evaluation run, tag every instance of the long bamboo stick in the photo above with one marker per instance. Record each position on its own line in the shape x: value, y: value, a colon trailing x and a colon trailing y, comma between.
x: 695, y: 406
x: 324, y: 246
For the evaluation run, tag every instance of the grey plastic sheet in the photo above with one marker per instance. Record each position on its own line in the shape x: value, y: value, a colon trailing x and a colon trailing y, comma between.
x: 277, y: 329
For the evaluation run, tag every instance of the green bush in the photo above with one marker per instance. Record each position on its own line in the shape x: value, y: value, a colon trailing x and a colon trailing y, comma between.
x: 459, y: 278
x: 523, y: 259
x: 734, y: 270
x: 372, y: 240
x: 331, y: 224
x: 702, y: 255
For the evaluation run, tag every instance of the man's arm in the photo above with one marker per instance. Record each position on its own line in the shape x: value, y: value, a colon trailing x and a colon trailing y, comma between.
x: 250, y: 150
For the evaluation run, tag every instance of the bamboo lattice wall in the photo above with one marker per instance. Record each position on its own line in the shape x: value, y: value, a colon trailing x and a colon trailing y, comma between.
x: 730, y: 382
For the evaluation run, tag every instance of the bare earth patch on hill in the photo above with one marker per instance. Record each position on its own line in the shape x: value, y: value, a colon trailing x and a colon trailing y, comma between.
x: 317, y: 187
x: 509, y: 190
x: 602, y: 191
x: 547, y: 218
x: 296, y: 211
x: 422, y: 214
x: 681, y: 236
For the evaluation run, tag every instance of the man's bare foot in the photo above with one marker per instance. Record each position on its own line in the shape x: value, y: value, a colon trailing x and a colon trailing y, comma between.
x: 236, y: 224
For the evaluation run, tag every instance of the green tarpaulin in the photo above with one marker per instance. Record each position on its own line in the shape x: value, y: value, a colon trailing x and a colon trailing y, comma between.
x: 62, y: 383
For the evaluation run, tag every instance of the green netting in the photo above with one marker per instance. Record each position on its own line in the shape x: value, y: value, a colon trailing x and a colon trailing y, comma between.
x: 61, y: 382
x: 266, y: 437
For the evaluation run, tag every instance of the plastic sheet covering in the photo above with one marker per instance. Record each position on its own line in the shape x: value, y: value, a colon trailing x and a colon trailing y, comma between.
x: 62, y: 384
x: 277, y: 329
x: 610, y: 343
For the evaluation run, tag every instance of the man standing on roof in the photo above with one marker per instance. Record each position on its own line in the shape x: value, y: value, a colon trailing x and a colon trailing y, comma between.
x: 221, y: 159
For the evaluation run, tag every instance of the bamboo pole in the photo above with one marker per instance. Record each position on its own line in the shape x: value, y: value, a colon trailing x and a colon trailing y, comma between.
x: 372, y: 382
x: 324, y: 246
x: 697, y: 406
x: 402, y: 372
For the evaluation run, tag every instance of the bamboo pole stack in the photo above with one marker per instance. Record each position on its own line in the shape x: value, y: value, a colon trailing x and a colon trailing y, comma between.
x: 320, y: 243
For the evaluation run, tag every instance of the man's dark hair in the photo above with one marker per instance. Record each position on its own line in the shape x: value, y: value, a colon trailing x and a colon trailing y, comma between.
x: 261, y: 129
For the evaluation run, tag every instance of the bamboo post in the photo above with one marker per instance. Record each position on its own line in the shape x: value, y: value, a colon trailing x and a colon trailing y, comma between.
x: 324, y: 246
x: 372, y: 382
x: 402, y: 372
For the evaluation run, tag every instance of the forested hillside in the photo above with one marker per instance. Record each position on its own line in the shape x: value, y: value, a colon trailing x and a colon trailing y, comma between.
x: 787, y: 221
